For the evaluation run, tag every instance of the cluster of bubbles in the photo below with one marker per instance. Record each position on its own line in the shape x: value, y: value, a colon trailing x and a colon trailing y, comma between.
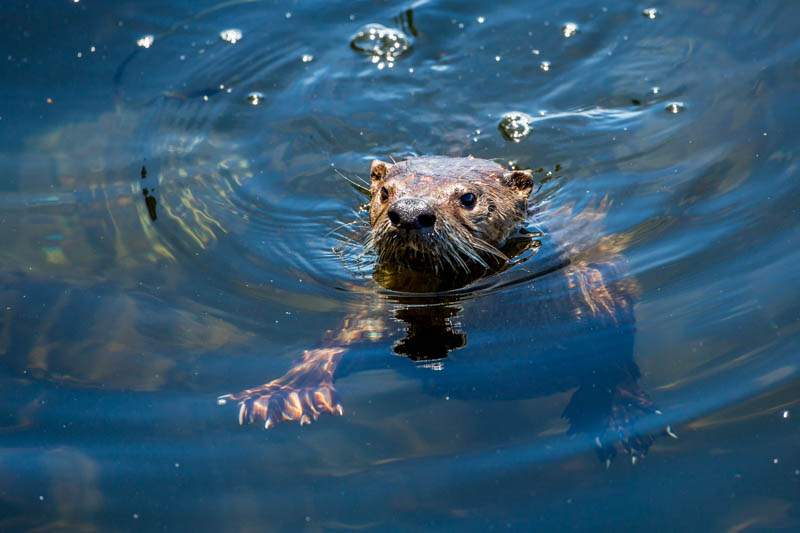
x: 651, y: 12
x: 255, y: 97
x: 569, y: 29
x: 145, y: 41
x: 675, y: 107
x: 384, y: 44
x: 515, y: 125
x: 231, y: 36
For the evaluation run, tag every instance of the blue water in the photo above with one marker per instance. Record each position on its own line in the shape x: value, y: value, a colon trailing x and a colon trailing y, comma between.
x: 167, y: 236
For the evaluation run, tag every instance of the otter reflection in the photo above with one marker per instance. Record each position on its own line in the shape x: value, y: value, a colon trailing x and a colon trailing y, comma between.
x: 430, y: 335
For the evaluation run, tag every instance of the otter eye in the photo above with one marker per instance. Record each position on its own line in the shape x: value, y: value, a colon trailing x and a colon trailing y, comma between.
x: 384, y: 194
x: 468, y: 200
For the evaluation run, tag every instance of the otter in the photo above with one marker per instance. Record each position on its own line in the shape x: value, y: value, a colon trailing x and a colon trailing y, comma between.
x: 437, y: 224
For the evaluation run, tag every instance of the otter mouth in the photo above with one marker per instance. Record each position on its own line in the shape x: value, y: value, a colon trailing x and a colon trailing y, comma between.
x: 430, y: 249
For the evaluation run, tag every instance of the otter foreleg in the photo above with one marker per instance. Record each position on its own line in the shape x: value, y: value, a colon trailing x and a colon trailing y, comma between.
x: 306, y: 391
x: 608, y: 414
x: 302, y: 394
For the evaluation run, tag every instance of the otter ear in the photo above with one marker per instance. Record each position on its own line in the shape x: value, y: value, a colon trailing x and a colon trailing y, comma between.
x: 522, y: 180
x: 378, y: 170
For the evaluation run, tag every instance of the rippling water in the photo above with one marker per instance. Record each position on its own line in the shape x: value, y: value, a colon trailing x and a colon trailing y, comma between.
x: 181, y: 215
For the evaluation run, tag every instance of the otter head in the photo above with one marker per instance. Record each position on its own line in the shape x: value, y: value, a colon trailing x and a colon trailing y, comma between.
x: 444, y: 214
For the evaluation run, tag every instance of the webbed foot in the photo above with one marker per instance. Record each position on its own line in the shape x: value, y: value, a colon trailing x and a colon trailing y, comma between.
x: 304, y: 393
x: 274, y: 403
x: 609, y: 417
x: 619, y: 434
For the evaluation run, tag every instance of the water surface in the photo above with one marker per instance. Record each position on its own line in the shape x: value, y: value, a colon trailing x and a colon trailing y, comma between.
x: 174, y: 225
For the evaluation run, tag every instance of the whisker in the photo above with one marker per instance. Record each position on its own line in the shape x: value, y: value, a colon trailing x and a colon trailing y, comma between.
x: 489, y: 249
x: 346, y: 224
x: 361, y: 187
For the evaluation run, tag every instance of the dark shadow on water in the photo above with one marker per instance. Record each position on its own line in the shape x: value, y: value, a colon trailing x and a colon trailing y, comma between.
x: 149, y: 199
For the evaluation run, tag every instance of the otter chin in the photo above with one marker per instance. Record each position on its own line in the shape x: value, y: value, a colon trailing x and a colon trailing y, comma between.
x: 444, y: 214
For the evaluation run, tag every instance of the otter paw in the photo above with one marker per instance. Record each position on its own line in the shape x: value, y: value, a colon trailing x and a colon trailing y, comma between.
x: 274, y: 403
x: 620, y: 435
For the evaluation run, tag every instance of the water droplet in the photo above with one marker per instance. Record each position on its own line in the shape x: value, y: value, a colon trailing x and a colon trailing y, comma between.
x: 569, y: 29
x: 255, y: 97
x: 307, y: 58
x: 675, y: 107
x: 535, y: 52
x: 544, y: 65
x: 380, y: 42
x: 288, y: 14
x: 231, y: 36
x: 145, y: 41
x: 656, y: 90
x: 481, y: 20
x: 651, y: 12
x: 497, y: 58
x: 515, y: 125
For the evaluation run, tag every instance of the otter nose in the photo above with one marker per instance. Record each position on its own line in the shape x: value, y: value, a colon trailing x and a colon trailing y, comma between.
x: 411, y: 213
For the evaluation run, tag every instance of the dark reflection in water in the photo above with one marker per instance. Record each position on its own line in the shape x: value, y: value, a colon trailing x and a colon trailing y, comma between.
x: 121, y: 320
x: 429, y: 335
x: 149, y: 200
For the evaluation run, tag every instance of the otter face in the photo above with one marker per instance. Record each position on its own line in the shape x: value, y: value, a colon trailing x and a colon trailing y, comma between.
x: 444, y: 213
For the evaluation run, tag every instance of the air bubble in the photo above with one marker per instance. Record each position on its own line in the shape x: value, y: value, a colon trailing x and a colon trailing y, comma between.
x: 231, y: 36
x: 651, y: 12
x: 675, y: 107
x: 145, y: 41
x: 380, y: 42
x: 255, y: 97
x: 544, y: 65
x: 515, y: 125
x: 569, y: 29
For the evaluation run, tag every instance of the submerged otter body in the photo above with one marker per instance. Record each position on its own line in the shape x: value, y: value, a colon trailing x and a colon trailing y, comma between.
x: 438, y: 223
